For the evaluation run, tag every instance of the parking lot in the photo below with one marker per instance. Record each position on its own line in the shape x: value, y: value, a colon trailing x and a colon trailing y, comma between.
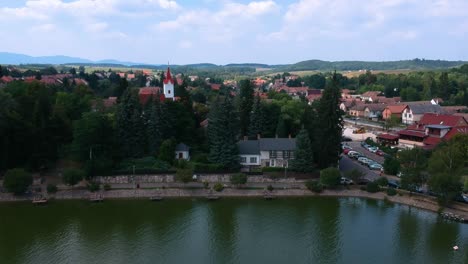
x: 356, y: 145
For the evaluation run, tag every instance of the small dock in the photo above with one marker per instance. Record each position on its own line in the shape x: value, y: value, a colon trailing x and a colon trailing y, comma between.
x: 268, y: 196
x: 156, y: 198
x: 40, y: 200
x: 96, y: 198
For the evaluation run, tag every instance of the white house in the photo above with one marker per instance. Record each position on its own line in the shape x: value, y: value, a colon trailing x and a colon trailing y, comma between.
x: 414, y: 111
x: 182, y: 152
x: 267, y: 152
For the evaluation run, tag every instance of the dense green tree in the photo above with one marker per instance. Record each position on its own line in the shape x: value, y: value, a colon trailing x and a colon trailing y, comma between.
x: 245, y: 102
x: 330, y: 126
x: 154, y: 130
x: 446, y: 167
x: 330, y: 177
x: 281, y: 129
x: 17, y: 180
x: 316, y: 81
x: 129, y: 125
x: 223, y: 134
x: 444, y: 86
x: 303, y: 158
x: 73, y: 176
x: 391, y: 166
x: 93, y: 136
x: 413, y: 163
x: 257, y: 119
x: 355, y: 175
x: 167, y: 151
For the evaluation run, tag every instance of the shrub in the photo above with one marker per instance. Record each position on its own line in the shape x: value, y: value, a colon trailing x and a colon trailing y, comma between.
x: 206, y: 184
x: 107, y: 187
x: 372, y: 187
x: 73, y: 176
x: 272, y: 169
x: 270, y: 188
x: 314, y: 186
x: 208, y: 168
x: 52, y: 188
x: 363, y: 188
x: 238, y: 179
x: 465, y: 187
x: 17, y: 180
x: 183, y: 164
x: 355, y: 175
x: 93, y: 187
x: 218, y: 187
x: 184, y: 175
x: 391, y: 191
x: 382, y: 181
x: 391, y: 166
x: 330, y: 177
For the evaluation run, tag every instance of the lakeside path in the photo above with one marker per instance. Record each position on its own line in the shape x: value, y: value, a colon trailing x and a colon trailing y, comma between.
x: 415, y: 200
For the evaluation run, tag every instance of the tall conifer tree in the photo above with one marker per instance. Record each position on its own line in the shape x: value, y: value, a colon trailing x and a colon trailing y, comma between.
x: 330, y: 125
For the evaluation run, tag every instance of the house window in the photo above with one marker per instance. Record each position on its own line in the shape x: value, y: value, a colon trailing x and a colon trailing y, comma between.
x: 169, y: 91
x: 272, y: 154
x: 410, y: 115
x: 253, y: 160
x: 243, y: 159
x: 272, y: 163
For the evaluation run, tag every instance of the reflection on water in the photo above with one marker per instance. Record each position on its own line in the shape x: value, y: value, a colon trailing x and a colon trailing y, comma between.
x: 303, y: 230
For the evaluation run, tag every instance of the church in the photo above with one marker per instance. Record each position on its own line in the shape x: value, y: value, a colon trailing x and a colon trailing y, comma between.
x: 167, y: 92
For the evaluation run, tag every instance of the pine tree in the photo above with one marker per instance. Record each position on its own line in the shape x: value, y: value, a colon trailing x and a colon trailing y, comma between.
x: 304, y: 158
x: 153, y: 125
x: 330, y: 126
x: 245, y: 103
x: 281, y: 129
x: 130, y: 126
x: 257, y: 119
x: 222, y: 134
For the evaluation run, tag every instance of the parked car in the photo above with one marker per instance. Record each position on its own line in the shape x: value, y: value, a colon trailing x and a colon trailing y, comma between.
x: 346, y: 151
x: 393, y: 184
x: 346, y: 147
x: 463, y: 198
x: 354, y: 154
x: 415, y: 188
x: 362, y: 160
x: 375, y: 166
x: 373, y: 149
x: 346, y: 181
x: 380, y: 152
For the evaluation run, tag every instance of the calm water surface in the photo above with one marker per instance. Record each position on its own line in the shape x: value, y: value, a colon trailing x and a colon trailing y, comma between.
x: 308, y: 230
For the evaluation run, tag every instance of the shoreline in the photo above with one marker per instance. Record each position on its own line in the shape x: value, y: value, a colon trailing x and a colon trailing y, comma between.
x: 423, y: 202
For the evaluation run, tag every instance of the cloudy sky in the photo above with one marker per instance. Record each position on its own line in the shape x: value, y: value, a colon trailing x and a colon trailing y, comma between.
x: 221, y: 32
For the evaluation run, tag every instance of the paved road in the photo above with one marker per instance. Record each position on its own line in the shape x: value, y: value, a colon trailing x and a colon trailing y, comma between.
x: 347, y: 164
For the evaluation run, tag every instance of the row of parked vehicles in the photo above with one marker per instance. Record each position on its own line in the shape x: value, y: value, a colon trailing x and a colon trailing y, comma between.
x: 361, y: 158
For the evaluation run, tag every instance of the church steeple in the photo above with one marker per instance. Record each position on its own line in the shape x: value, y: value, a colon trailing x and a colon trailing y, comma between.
x: 168, y: 85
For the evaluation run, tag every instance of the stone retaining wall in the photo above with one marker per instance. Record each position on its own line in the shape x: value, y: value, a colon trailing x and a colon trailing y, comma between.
x: 169, y: 178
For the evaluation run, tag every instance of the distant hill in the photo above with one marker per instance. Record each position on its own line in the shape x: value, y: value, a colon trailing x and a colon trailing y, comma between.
x: 371, y: 65
x: 308, y: 65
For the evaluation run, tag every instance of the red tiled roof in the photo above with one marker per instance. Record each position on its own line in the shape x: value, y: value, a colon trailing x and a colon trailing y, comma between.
x: 396, y: 109
x: 388, y: 136
x: 412, y: 133
x: 109, y: 102
x: 168, y: 77
x: 145, y: 93
x: 215, y: 86
x: 6, y: 79
x: 437, y: 119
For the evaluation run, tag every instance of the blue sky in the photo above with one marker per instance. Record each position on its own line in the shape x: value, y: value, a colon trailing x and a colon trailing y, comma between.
x: 222, y: 31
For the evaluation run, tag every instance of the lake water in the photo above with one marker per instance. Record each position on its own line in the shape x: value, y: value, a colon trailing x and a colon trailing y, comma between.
x: 302, y: 230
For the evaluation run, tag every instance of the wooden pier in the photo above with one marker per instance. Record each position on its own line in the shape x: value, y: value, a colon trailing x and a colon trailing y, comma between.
x: 268, y: 196
x: 156, y: 198
x: 96, y: 198
x: 40, y: 200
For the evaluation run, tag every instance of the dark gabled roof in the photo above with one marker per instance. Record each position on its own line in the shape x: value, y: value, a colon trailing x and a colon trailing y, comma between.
x: 182, y: 147
x: 425, y: 108
x: 253, y: 147
x: 277, y: 144
x: 249, y: 147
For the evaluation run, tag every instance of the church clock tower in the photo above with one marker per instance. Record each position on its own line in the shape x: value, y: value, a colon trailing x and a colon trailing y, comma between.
x: 168, y: 85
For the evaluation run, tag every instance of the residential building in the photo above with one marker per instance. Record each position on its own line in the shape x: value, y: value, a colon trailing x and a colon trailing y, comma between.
x: 168, y: 85
x: 374, y: 111
x: 371, y: 96
x: 432, y: 129
x: 395, y: 111
x: 414, y: 111
x: 357, y: 110
x: 267, y: 152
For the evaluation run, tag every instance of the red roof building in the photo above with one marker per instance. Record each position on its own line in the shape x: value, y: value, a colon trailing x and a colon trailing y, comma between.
x: 146, y: 93
x: 168, y: 77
